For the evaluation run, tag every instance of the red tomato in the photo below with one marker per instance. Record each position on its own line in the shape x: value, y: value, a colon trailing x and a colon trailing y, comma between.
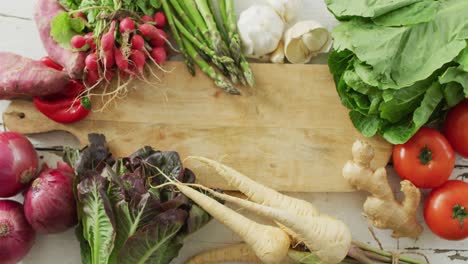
x: 427, y: 159
x: 446, y: 210
x: 456, y: 128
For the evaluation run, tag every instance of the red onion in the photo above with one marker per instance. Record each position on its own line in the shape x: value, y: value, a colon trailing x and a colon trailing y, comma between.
x: 16, y: 235
x: 49, y: 203
x: 18, y: 163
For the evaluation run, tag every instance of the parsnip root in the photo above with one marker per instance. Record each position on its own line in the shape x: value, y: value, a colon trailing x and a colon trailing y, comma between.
x: 233, y: 253
x: 257, y: 192
x: 270, y: 244
x: 325, y: 236
x: 382, y: 209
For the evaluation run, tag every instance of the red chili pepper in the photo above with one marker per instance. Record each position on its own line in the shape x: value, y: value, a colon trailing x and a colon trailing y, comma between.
x: 65, y: 111
x: 63, y: 107
x: 47, y: 61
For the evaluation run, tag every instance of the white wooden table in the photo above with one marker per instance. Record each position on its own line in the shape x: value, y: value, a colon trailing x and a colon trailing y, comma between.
x: 19, y: 35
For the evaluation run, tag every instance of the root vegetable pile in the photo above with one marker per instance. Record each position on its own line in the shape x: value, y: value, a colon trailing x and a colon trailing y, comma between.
x: 381, y: 208
x: 326, y: 239
x: 206, y: 34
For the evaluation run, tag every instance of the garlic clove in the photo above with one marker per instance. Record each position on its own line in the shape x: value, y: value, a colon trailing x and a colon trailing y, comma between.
x: 278, y: 55
x: 317, y: 40
x: 296, y: 52
x: 305, y: 40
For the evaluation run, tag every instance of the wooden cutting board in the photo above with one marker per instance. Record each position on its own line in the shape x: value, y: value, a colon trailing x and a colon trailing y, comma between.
x: 290, y: 131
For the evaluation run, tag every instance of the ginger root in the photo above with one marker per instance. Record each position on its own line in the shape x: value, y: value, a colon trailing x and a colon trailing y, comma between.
x: 382, y: 209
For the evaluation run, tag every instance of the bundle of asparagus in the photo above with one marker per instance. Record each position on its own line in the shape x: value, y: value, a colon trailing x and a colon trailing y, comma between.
x: 208, y: 37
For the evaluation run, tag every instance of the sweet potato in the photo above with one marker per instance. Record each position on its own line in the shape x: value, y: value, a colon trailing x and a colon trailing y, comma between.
x: 73, y: 62
x: 22, y: 77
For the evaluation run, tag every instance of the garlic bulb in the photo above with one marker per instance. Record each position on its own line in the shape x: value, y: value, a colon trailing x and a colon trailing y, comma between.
x: 261, y: 30
x: 305, y: 40
x: 287, y: 9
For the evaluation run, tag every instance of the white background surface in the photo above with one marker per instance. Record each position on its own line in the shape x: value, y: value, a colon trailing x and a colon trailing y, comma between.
x: 18, y: 34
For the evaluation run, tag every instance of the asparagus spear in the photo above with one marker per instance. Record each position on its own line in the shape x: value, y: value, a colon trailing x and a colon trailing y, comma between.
x: 219, y: 80
x: 190, y: 8
x: 170, y: 19
x: 219, y: 46
x: 219, y: 22
x: 187, y: 21
x: 235, y: 43
x: 234, y: 39
x: 218, y: 61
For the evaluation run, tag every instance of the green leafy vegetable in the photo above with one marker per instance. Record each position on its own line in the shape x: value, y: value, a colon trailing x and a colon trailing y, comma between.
x: 97, y: 218
x: 63, y: 28
x: 399, y: 64
x: 122, y: 218
x: 70, y: 4
x: 155, y: 242
x: 365, y: 8
x: 419, y: 12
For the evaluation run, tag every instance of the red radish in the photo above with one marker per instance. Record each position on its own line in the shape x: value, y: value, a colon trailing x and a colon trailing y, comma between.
x: 49, y: 204
x: 47, y: 61
x: 78, y: 41
x: 160, y: 19
x: 108, y: 39
x: 146, y: 18
x: 159, y: 55
x: 92, y: 78
x: 91, y: 62
x: 18, y: 163
x: 160, y: 40
x: 150, y: 31
x: 126, y: 25
x: 109, y: 58
x: 89, y: 35
x: 109, y: 75
x: 79, y: 14
x: 121, y: 61
x: 90, y: 41
x: 138, y: 42
x: 16, y: 235
x: 138, y: 57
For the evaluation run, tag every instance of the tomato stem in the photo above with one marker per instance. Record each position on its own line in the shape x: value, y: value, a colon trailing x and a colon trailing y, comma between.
x: 425, y: 155
x: 460, y: 213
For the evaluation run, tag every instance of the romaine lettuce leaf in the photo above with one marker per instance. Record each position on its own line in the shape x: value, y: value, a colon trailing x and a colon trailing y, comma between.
x: 416, y: 13
x: 365, y: 8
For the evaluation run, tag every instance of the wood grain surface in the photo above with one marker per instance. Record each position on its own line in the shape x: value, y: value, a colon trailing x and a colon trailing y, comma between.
x: 289, y: 131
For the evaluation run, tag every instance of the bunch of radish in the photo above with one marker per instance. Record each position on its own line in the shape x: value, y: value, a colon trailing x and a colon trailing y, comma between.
x: 125, y: 47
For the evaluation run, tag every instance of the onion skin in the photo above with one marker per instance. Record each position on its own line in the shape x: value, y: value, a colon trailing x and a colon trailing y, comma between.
x: 49, y: 203
x: 16, y: 235
x: 18, y: 163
